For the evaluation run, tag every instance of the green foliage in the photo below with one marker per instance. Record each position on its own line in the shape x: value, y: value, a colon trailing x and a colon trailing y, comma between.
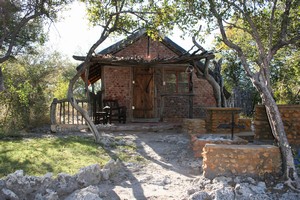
x: 31, y: 82
x: 285, y: 70
x: 285, y: 76
x: 127, y: 16
x: 21, y: 24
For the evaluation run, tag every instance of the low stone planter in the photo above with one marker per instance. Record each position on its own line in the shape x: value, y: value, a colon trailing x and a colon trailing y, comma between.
x: 241, y: 160
x: 199, y: 141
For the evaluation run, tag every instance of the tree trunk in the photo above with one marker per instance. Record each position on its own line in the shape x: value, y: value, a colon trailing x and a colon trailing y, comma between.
x: 81, y: 110
x: 219, y: 79
x: 2, y: 88
x: 275, y: 120
x: 211, y: 80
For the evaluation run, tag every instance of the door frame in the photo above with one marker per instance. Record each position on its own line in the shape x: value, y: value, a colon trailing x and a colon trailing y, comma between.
x: 135, y: 118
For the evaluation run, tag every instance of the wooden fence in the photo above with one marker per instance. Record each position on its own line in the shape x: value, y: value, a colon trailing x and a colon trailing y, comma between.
x: 62, y: 112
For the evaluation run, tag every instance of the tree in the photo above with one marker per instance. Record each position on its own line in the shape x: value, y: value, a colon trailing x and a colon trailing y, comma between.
x: 21, y: 26
x: 284, y: 67
x: 271, y: 25
x: 30, y: 83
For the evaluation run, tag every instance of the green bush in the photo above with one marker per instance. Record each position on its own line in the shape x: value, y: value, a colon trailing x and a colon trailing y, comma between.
x: 31, y: 82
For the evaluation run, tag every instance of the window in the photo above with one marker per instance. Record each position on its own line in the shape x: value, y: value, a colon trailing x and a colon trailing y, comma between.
x: 177, y: 81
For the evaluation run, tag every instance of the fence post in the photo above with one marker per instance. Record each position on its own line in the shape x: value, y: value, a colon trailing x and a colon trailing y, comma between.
x: 53, y: 111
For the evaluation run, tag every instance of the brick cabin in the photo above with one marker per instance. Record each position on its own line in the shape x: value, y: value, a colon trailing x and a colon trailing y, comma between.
x: 152, y: 79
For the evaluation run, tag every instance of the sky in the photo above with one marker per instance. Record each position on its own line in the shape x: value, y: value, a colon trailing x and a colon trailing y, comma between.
x: 73, y: 36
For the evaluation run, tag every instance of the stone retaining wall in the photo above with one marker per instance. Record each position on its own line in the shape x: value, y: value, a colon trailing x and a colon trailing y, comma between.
x: 19, y: 186
x: 221, y: 116
x: 244, y: 160
x: 198, y: 142
x: 193, y: 126
x: 291, y: 119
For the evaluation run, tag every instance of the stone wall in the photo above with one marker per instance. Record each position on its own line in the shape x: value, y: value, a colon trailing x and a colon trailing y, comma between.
x: 244, y: 160
x: 19, y: 186
x: 291, y: 119
x: 193, y: 126
x: 221, y: 116
x: 198, y: 142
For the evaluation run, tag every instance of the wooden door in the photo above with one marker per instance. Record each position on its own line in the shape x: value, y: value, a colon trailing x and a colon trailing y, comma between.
x: 143, y: 92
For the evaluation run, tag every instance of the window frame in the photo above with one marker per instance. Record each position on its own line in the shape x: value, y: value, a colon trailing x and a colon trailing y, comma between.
x: 177, y: 71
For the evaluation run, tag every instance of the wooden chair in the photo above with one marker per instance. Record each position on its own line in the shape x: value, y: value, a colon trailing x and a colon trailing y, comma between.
x: 115, y: 112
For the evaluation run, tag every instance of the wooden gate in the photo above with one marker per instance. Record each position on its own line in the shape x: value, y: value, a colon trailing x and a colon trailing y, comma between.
x: 143, y: 92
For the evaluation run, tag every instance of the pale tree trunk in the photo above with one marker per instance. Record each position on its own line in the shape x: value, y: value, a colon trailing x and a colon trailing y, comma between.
x: 261, y: 79
x: 277, y: 127
x: 2, y: 88
x: 216, y: 87
x: 219, y: 80
x: 211, y: 81
x: 84, y: 113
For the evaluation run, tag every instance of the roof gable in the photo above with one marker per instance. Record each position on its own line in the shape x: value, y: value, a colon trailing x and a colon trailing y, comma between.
x: 141, y: 45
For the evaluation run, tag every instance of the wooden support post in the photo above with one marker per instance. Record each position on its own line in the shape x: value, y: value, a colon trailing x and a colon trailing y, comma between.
x: 53, y: 111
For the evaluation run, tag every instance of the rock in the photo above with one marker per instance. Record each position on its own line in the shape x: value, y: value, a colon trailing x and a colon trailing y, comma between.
x: 167, y: 180
x: 250, y: 180
x: 105, y: 173
x: 260, y: 188
x: 290, y: 196
x: 243, y: 191
x: 260, y: 197
x: 64, y: 184
x: 225, y: 193
x: 222, y: 179
x: 201, y: 182
x: 8, y: 194
x: 88, y: 193
x: 113, y: 165
x: 110, y: 168
x: 200, y: 196
x: 279, y: 186
x: 250, y: 191
x: 26, y: 186
x: 191, y: 191
x: 90, y: 175
x: 49, y: 195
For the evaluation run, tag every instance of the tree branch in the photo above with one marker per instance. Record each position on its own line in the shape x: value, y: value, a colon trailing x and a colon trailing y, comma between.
x: 272, y: 25
x: 227, y: 41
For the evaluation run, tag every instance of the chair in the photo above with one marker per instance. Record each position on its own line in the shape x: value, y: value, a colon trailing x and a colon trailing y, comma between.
x: 115, y: 112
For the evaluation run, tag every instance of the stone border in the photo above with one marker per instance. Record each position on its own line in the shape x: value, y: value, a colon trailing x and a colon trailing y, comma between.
x: 245, y: 160
x: 19, y: 186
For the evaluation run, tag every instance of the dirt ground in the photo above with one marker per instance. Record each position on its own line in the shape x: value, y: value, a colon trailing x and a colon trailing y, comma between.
x: 167, y: 173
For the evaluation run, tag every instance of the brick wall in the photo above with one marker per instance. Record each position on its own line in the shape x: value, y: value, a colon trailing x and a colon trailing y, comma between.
x: 204, y: 96
x: 248, y: 160
x: 117, y: 84
x: 291, y: 119
x: 140, y: 48
x: 176, y: 107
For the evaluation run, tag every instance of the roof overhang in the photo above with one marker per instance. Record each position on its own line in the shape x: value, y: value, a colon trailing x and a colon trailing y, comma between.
x: 99, y: 60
